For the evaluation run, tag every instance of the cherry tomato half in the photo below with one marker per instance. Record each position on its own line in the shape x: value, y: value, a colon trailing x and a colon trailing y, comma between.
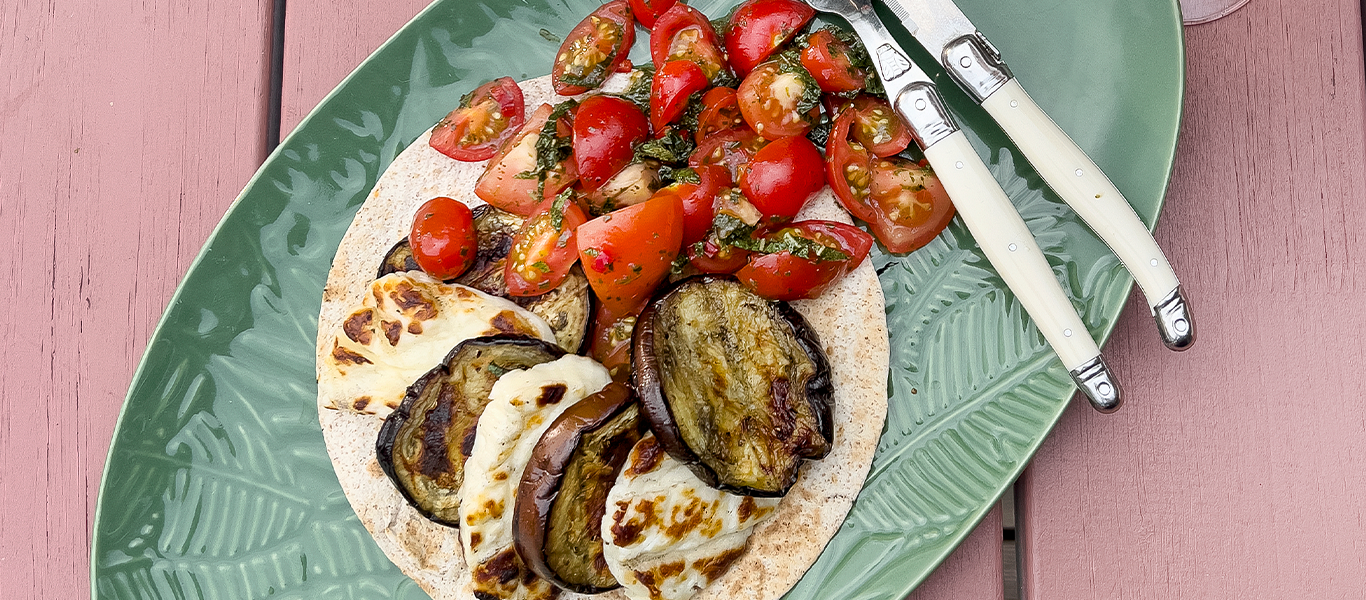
x: 544, y: 250
x: 699, y: 201
x: 443, y: 238
x: 673, y: 84
x: 903, y: 203
x: 712, y: 256
x: 720, y: 112
x: 611, y: 345
x: 827, y: 59
x: 783, y: 176
x: 771, y: 100
x: 787, y: 276
x: 594, y: 49
x: 647, y: 11
x: 758, y: 27
x: 606, y: 130
x: 684, y: 33
x: 626, y: 254
x: 731, y: 149
x: 878, y: 127
x: 485, y: 119
x: 500, y: 186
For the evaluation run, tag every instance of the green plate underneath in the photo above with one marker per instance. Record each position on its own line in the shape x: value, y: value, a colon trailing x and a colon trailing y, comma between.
x: 218, y: 484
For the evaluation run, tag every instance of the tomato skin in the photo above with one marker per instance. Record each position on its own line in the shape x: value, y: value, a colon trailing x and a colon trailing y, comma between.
x: 542, y: 253
x: 769, y: 100
x: 903, y: 203
x: 720, y: 112
x: 606, y: 130
x: 711, y: 256
x: 499, y: 184
x: 878, y: 127
x: 783, y: 176
x: 699, y: 201
x: 827, y: 59
x: 783, y: 276
x: 626, y: 254
x: 443, y: 238
x: 486, y: 118
x: 648, y: 11
x: 684, y: 33
x: 731, y: 149
x: 669, y: 92
x: 759, y: 27
x: 594, y: 49
x: 611, y: 342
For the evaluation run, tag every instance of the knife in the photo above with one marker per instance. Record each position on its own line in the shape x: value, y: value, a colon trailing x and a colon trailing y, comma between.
x: 976, y: 66
x: 983, y: 205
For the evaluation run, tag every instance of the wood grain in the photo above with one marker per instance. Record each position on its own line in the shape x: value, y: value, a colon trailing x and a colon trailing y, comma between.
x: 127, y: 128
x: 1240, y: 462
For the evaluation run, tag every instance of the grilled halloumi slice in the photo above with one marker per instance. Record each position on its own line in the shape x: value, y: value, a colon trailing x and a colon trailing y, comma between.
x: 406, y: 325
x: 521, y: 407
x: 666, y: 535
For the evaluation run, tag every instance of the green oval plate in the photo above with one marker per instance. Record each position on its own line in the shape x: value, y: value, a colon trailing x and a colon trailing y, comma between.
x: 218, y: 485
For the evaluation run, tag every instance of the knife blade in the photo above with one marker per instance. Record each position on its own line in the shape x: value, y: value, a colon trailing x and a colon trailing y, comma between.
x: 977, y: 67
x: 982, y: 204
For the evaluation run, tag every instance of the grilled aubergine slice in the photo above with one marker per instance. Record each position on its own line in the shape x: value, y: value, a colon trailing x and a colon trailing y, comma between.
x: 562, y: 498
x: 423, y: 444
x: 568, y: 308
x: 733, y: 385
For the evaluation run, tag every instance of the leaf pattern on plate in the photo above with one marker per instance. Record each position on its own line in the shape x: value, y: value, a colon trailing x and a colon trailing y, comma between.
x: 218, y: 483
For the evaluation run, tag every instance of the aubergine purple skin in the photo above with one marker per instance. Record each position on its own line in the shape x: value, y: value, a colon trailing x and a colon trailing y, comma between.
x: 423, y: 444
x: 789, y: 419
x: 568, y: 308
x: 600, y: 429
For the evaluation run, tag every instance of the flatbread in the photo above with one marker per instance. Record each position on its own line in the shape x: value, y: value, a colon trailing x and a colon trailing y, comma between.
x: 849, y: 319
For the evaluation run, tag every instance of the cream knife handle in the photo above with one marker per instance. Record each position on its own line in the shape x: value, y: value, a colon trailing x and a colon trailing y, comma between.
x: 1077, y: 179
x: 1012, y: 250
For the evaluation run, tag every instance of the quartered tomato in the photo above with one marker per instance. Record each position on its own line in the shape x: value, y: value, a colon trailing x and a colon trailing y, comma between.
x: 486, y: 118
x: 647, y: 11
x: 827, y: 59
x: 720, y: 112
x: 773, y: 102
x: 817, y: 254
x: 626, y: 254
x: 500, y: 186
x: 544, y: 250
x: 606, y: 130
x: 673, y: 84
x: 699, y: 200
x: 903, y: 202
x: 731, y: 149
x: 783, y: 176
x: 594, y: 49
x: 443, y: 238
x: 878, y: 127
x: 758, y: 27
x: 684, y: 33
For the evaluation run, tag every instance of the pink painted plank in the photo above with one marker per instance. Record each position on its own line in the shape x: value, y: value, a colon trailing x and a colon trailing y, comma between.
x: 1239, y: 464
x: 325, y: 41
x: 128, y: 128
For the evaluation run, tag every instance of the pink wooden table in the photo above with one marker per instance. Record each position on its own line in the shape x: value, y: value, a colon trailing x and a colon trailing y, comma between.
x: 126, y: 129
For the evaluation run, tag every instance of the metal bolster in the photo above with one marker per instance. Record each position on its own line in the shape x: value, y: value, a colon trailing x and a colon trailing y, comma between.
x: 1098, y: 384
x: 976, y: 65
x: 1175, y: 321
x: 924, y: 111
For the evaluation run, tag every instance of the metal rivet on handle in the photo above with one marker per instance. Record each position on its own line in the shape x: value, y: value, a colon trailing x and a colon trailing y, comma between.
x: 1067, y: 333
x: 1181, y: 326
x: 1014, y: 104
x: 966, y: 62
x: 1079, y: 172
x: 1153, y: 262
x: 920, y: 104
x: 1012, y: 247
x: 959, y: 164
x: 1103, y: 388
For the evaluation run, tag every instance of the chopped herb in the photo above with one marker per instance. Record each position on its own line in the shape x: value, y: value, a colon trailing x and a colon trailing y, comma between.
x: 673, y: 148
x: 790, y: 62
x: 680, y: 263
x: 551, y: 148
x: 497, y: 370
x: 557, y: 208
x: 550, y: 37
x: 681, y: 175
x: 820, y: 131
x: 788, y: 240
x: 730, y: 230
x: 725, y: 78
x: 638, y: 90
x: 693, y: 111
x: 541, y: 266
